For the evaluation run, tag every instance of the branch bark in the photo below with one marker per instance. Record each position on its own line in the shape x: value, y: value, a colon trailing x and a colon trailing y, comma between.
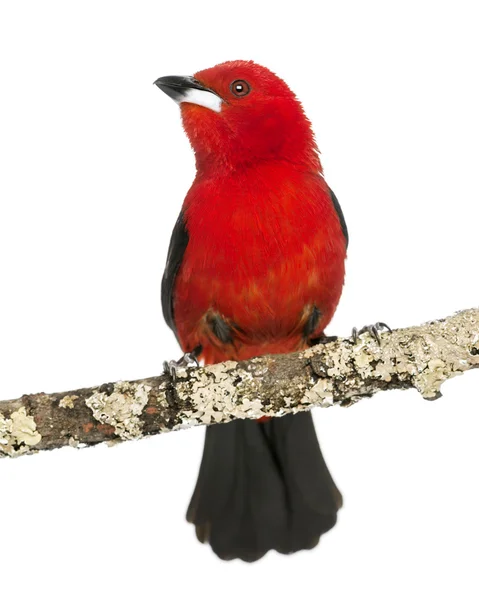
x: 338, y: 372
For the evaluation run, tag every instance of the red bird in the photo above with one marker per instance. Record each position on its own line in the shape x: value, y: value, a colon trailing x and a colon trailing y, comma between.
x: 255, y: 266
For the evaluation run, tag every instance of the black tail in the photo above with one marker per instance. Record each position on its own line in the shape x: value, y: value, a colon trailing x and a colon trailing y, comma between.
x: 263, y: 486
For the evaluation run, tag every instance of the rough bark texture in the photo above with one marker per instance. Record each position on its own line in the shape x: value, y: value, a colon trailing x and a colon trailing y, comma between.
x: 338, y: 372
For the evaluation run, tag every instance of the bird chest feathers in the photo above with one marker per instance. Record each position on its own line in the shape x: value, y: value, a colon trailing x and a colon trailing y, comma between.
x: 258, y: 221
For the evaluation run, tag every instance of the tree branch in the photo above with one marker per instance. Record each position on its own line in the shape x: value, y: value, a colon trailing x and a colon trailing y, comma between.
x: 338, y: 372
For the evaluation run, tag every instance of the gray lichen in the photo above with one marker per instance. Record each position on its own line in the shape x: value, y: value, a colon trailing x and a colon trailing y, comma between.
x: 68, y: 401
x: 121, y: 408
x: 205, y: 387
x: 18, y: 434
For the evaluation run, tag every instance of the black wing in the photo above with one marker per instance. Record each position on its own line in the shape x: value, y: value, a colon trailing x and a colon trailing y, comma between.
x: 340, y: 215
x: 178, y: 243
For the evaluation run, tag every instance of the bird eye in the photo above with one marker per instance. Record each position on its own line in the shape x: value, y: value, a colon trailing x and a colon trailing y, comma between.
x: 240, y: 87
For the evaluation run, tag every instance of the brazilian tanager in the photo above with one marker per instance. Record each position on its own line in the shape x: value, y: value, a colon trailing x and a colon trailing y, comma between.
x: 255, y: 266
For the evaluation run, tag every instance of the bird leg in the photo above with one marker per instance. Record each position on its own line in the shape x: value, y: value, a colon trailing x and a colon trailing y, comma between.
x: 187, y: 361
x: 373, y: 330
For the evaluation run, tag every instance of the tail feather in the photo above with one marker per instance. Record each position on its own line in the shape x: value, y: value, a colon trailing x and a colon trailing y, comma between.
x: 263, y: 486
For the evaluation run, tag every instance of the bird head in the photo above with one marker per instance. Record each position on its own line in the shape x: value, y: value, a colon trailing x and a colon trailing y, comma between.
x: 238, y: 113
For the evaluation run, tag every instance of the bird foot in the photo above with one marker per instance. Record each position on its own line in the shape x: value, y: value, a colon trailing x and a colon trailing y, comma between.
x: 187, y: 361
x: 373, y: 330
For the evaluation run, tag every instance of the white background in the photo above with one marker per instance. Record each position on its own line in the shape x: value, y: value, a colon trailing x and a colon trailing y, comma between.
x: 94, y: 168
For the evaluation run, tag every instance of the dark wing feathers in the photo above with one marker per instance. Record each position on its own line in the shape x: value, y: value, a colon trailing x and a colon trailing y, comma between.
x: 176, y: 250
x: 340, y: 215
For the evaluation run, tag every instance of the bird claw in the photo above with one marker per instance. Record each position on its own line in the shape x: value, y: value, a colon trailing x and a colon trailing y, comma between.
x: 187, y: 361
x: 373, y: 330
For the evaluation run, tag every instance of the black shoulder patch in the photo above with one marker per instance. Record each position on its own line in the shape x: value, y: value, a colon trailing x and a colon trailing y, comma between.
x: 340, y: 215
x: 179, y: 241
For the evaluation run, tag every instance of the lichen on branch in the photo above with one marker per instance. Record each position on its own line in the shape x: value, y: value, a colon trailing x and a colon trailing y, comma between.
x: 339, y: 372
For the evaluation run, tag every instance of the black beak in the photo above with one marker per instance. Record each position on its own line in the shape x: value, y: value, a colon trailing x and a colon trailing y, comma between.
x: 177, y: 87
